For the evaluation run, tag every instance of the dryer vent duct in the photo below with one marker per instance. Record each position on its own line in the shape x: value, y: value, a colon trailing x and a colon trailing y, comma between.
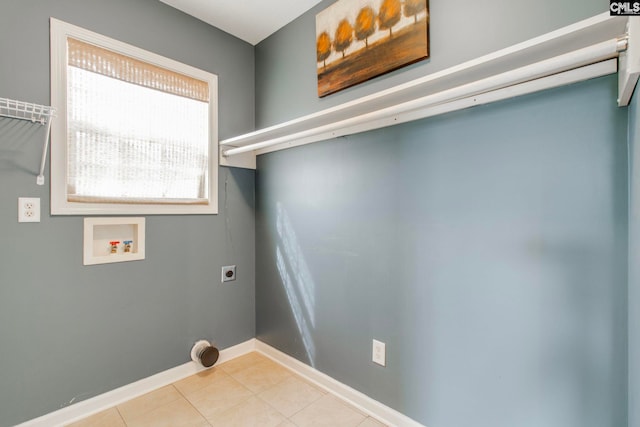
x: 204, y: 353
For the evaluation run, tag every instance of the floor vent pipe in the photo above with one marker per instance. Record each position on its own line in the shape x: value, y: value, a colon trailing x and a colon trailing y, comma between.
x: 204, y: 353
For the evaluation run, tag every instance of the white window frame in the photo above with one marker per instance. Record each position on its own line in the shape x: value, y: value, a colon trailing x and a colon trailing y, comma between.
x: 60, y: 31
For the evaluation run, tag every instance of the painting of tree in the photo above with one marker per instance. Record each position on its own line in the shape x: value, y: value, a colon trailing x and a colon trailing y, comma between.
x: 358, y: 40
x: 365, y: 24
x: 413, y: 8
x: 344, y: 36
x: 389, y: 15
x: 323, y: 48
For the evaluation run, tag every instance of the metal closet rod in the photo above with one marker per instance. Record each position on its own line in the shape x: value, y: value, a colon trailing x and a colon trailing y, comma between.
x: 34, y: 113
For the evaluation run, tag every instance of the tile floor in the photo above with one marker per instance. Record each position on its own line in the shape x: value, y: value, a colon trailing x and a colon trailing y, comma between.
x: 250, y: 390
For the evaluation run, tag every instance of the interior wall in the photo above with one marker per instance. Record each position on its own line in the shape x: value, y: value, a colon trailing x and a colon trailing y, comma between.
x: 69, y: 332
x: 634, y: 266
x: 486, y: 247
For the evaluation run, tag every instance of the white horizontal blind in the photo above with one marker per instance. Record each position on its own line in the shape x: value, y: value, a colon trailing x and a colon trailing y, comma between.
x: 137, y: 133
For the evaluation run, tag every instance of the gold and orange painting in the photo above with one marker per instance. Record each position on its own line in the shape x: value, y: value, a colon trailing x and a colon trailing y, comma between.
x: 357, y: 40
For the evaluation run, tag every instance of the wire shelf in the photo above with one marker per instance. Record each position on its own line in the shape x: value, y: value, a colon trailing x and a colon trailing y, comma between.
x: 25, y: 111
x: 34, y: 113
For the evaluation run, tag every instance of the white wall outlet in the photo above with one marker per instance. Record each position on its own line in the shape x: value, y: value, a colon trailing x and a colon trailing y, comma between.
x: 379, y: 353
x: 228, y: 273
x: 28, y: 209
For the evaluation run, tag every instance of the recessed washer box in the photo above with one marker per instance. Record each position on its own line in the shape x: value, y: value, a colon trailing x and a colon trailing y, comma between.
x: 115, y: 239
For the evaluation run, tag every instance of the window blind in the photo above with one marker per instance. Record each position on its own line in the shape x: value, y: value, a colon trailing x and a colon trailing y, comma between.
x: 137, y: 133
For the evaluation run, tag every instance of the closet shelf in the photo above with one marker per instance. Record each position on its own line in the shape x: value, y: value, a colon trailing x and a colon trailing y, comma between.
x: 34, y: 113
x: 25, y: 111
x: 535, y: 64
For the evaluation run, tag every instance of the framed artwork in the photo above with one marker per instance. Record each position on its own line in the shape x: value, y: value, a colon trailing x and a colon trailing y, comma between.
x: 357, y: 40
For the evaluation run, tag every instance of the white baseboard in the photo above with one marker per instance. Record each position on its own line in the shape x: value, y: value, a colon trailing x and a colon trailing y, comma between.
x: 122, y: 394
x: 360, y: 400
x: 115, y: 397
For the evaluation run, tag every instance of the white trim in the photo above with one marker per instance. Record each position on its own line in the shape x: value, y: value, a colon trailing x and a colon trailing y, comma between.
x: 112, y: 398
x: 557, y: 80
x: 125, y: 393
x: 361, y: 401
x: 586, y: 42
x: 629, y: 64
x: 245, y: 160
x: 60, y: 31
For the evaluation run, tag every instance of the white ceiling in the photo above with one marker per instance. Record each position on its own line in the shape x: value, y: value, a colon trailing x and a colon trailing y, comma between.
x: 249, y: 20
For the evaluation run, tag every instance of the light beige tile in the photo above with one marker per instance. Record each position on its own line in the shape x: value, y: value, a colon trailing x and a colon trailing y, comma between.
x: 109, y: 418
x: 262, y: 376
x: 328, y: 411
x: 148, y: 402
x: 178, y: 413
x: 371, y: 422
x: 291, y: 395
x: 226, y: 396
x: 219, y: 396
x: 242, y: 362
x: 252, y: 412
x: 200, y: 380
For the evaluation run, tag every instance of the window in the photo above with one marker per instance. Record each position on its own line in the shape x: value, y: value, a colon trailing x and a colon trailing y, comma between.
x: 135, y: 132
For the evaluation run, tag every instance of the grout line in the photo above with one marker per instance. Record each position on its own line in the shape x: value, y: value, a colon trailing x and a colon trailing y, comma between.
x: 121, y: 417
x: 267, y: 358
x: 190, y: 404
x: 361, y: 402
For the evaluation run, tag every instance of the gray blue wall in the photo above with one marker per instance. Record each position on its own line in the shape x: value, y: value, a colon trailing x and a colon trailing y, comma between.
x: 69, y: 332
x: 487, y: 248
x: 634, y: 265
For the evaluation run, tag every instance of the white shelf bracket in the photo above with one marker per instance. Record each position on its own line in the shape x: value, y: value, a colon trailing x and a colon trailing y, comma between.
x: 45, y: 148
x: 244, y: 160
x: 629, y: 64
x: 34, y: 113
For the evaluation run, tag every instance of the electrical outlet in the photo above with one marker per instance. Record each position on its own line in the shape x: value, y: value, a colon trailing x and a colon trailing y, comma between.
x: 379, y: 353
x: 228, y: 273
x: 28, y: 209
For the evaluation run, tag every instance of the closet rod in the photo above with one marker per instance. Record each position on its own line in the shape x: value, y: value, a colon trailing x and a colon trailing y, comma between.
x: 575, y: 59
x: 34, y: 113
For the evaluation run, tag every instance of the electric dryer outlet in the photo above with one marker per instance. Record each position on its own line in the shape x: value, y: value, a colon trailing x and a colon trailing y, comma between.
x: 228, y: 273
